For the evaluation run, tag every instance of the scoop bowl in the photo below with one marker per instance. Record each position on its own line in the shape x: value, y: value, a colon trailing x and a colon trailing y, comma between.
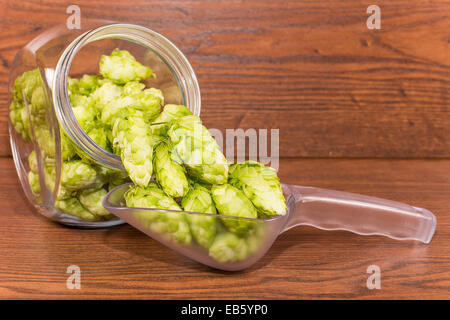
x: 232, y: 243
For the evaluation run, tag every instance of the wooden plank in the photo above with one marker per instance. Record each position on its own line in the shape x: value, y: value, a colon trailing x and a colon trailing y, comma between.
x: 123, y: 263
x: 311, y: 69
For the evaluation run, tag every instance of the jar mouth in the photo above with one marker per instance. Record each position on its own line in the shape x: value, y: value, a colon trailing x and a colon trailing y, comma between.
x: 166, y: 51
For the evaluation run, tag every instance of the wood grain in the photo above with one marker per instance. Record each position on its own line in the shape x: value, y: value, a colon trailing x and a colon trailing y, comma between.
x: 123, y: 263
x: 309, y: 68
x: 334, y: 89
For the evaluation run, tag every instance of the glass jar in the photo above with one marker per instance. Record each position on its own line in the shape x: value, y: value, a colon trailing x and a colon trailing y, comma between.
x: 45, y: 134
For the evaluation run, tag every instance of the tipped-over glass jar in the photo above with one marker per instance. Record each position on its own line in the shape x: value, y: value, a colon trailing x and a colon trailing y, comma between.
x: 64, y: 173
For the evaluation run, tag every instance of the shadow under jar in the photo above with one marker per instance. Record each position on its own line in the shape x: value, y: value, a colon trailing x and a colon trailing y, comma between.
x: 44, y: 131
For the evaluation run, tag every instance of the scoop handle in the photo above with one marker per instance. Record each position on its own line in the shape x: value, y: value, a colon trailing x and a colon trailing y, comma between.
x: 364, y: 215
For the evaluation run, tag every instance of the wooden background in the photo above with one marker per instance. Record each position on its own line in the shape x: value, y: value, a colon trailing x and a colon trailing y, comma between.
x: 358, y: 110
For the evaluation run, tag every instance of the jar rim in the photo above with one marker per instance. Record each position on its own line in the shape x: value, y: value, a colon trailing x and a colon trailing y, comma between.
x: 166, y: 50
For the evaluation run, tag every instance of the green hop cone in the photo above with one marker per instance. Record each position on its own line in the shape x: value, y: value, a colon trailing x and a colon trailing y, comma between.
x: 46, y: 143
x: 32, y: 161
x: 84, y: 110
x: 121, y: 67
x: 117, y: 178
x: 132, y: 137
x: 261, y: 185
x: 228, y: 247
x: 68, y: 150
x: 157, y: 139
x: 19, y: 119
x: 74, y: 207
x: 193, y: 182
x: 28, y: 91
x: 50, y: 178
x: 105, y: 94
x: 256, y: 238
x: 171, y: 225
x: 169, y: 175
x: 117, y: 109
x: 149, y: 197
x: 100, y: 136
x: 194, y: 146
x: 162, y: 123
x: 38, y: 102
x: 25, y: 85
x: 87, y: 84
x: 148, y: 101
x: 132, y: 98
x: 231, y: 201
x: 76, y: 175
x: 92, y: 199
x: 72, y: 86
x: 203, y: 227
x: 33, y: 180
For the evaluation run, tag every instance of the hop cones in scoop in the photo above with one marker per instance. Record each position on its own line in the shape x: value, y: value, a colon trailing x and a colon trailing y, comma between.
x: 261, y: 185
x: 194, y: 146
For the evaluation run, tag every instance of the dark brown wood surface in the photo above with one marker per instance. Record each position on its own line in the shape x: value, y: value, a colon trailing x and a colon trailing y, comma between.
x: 122, y: 262
x: 334, y: 89
x: 312, y: 69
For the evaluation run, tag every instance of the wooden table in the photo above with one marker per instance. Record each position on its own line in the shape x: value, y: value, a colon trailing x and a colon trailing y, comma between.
x: 358, y: 110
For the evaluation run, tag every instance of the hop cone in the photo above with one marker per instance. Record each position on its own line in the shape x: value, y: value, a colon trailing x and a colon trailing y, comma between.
x: 74, y: 207
x: 92, y: 200
x: 203, y: 227
x: 228, y: 247
x: 76, y: 175
x: 231, y: 201
x: 162, y: 123
x: 33, y: 180
x: 132, y: 137
x: 169, y: 175
x: 132, y: 97
x: 261, y: 185
x: 198, y: 150
x: 171, y: 225
x: 121, y: 67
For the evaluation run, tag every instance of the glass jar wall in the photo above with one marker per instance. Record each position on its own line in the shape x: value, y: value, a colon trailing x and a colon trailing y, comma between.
x: 64, y: 171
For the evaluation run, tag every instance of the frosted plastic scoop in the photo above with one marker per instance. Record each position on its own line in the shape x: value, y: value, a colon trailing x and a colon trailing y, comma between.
x: 320, y: 208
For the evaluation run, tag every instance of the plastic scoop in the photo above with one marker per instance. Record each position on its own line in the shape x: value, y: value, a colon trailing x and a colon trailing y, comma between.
x: 210, y: 242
